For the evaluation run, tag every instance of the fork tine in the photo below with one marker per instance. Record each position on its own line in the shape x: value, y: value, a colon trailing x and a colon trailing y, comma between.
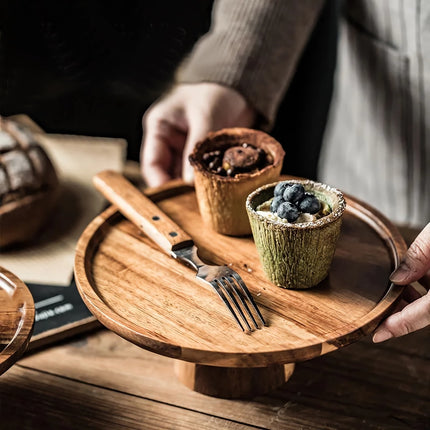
x: 249, y: 296
x: 227, y: 303
x: 233, y: 299
x: 232, y: 285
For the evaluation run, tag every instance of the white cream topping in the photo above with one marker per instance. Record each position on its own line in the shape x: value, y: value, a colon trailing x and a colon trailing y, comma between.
x: 303, y: 217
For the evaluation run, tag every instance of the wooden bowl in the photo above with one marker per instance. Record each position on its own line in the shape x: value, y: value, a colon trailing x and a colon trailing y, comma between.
x: 16, y: 318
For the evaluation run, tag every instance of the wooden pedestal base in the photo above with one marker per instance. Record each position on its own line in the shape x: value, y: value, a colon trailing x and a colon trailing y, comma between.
x: 232, y: 382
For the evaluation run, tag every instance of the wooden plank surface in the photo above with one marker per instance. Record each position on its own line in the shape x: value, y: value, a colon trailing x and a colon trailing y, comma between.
x: 109, y: 410
x: 103, y: 381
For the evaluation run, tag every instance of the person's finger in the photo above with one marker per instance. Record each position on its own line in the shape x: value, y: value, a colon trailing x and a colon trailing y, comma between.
x: 416, y: 262
x: 413, y: 317
x: 155, y: 167
x: 198, y: 130
x: 160, y: 151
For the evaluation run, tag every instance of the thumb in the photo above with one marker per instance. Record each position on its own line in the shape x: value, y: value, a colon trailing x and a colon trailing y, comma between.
x: 413, y: 317
x: 416, y: 262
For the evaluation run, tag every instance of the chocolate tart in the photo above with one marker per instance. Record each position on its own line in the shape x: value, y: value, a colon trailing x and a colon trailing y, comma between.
x: 296, y: 255
x: 221, y: 197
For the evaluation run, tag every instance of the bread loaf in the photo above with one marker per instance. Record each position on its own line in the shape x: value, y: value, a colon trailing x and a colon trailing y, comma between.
x: 28, y: 184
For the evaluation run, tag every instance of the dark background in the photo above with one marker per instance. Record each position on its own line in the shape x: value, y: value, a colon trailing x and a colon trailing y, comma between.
x: 94, y: 67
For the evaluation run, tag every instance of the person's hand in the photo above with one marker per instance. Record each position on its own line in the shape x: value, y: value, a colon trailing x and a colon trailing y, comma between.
x: 176, y: 122
x: 414, y: 310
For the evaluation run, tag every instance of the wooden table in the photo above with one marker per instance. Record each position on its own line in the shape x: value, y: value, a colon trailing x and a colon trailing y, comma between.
x: 101, y: 381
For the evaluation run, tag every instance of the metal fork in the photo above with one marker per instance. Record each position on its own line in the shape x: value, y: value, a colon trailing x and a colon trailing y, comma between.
x: 146, y: 215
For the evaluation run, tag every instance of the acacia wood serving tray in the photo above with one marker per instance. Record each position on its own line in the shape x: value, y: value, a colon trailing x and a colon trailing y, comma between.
x: 147, y: 297
x: 16, y: 318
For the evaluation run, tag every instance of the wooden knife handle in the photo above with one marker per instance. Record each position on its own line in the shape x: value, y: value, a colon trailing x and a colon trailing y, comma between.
x: 141, y: 211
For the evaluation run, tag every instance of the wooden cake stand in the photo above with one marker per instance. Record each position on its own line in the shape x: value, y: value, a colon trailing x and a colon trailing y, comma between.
x: 16, y: 318
x: 152, y: 300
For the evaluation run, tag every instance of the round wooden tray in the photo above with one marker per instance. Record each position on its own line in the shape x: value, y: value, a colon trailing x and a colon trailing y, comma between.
x: 16, y: 318
x: 152, y: 300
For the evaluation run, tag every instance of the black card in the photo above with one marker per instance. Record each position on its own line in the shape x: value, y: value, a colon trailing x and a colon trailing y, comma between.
x: 59, y: 312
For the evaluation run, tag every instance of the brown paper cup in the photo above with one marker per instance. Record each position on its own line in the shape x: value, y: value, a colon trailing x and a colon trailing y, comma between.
x: 222, y: 199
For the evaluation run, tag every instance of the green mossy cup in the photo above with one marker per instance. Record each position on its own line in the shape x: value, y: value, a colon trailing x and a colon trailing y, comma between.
x: 299, y: 255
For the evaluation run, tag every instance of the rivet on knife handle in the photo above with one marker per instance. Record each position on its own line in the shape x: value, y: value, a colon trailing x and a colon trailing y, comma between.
x: 140, y: 210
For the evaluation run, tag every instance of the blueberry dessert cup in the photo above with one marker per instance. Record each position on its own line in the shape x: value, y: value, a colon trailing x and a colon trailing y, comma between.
x: 228, y: 165
x: 296, y: 225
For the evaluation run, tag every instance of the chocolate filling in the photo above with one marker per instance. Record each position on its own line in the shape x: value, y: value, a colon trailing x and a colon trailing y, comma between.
x: 244, y: 158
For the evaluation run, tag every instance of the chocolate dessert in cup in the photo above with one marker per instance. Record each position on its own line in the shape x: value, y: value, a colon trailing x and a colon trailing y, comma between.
x: 296, y: 225
x: 228, y: 165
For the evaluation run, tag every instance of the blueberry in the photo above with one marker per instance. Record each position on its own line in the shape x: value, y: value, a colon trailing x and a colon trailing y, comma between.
x: 288, y: 211
x: 310, y: 204
x: 294, y: 193
x: 275, y: 203
x: 280, y: 188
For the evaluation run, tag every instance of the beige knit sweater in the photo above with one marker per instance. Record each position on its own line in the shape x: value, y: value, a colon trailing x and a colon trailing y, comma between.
x: 253, y: 46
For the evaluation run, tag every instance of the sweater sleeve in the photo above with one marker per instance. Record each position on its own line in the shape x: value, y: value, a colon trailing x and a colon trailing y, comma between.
x: 253, y: 46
